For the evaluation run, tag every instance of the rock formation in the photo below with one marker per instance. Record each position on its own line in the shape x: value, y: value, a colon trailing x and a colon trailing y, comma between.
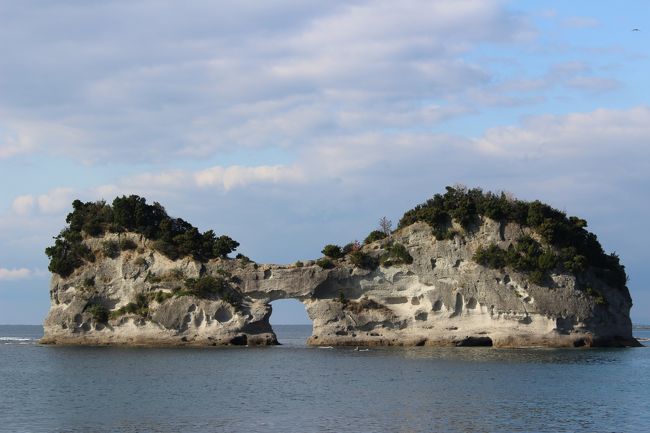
x: 440, y: 295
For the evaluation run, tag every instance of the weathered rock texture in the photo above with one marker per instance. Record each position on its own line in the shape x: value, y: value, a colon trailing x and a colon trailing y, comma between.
x: 442, y: 298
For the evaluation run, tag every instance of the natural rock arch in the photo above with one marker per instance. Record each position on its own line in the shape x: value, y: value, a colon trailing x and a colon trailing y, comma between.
x: 289, y: 311
x: 348, y: 305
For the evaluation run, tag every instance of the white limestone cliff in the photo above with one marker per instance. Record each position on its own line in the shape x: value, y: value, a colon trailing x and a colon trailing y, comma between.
x: 442, y: 298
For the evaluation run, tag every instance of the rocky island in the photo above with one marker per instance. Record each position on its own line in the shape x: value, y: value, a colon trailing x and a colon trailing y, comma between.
x: 465, y: 268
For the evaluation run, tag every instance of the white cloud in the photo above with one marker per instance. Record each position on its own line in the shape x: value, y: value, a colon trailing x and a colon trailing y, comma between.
x: 105, y: 192
x: 236, y: 176
x: 15, y: 145
x: 167, y: 179
x: 14, y: 274
x: 362, y: 43
x: 204, y: 78
x: 55, y: 200
x: 23, y: 135
x: 23, y: 205
x: 594, y: 134
x: 52, y: 202
x: 225, y: 178
x: 587, y: 140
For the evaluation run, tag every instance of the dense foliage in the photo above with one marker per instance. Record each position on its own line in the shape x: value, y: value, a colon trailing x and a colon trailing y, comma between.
x: 351, y: 247
x: 573, y: 248
x: 374, y: 235
x: 173, y: 237
x: 68, y: 253
x: 325, y: 263
x: 332, y: 251
x: 396, y: 254
x: 363, y: 260
x: 207, y: 286
x: 97, y: 312
x: 526, y: 255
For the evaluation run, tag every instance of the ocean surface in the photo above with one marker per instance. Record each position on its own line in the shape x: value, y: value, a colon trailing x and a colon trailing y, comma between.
x: 295, y: 388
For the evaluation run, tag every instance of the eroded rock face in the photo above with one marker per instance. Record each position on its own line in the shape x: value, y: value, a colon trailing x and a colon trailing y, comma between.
x: 442, y: 298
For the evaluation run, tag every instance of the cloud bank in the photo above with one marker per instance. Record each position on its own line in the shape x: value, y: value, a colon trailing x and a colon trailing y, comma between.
x: 211, y: 77
x: 15, y: 274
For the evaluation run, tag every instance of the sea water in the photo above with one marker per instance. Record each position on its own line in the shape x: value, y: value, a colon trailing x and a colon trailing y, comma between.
x: 295, y: 388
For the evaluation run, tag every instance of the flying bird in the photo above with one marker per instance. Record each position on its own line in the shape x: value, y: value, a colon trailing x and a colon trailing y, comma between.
x: 636, y: 30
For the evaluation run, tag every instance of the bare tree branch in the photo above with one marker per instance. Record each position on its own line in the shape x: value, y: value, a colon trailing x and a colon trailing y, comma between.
x: 385, y: 225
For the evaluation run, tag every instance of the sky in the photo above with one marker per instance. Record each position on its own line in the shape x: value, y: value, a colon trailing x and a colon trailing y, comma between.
x: 289, y: 124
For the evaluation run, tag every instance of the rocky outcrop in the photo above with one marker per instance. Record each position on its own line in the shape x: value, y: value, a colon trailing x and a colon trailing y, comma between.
x: 441, y: 298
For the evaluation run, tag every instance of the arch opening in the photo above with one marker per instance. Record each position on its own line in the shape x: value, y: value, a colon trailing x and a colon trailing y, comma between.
x: 290, y: 322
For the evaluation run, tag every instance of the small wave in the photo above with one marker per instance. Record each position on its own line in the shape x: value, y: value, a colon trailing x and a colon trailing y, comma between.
x: 642, y: 339
x: 16, y: 339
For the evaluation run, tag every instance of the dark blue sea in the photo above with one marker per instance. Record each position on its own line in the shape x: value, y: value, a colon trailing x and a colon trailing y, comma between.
x: 295, y: 388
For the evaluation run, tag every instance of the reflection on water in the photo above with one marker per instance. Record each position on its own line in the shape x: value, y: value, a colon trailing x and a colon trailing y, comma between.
x: 295, y: 336
x: 642, y: 333
x: 295, y: 388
